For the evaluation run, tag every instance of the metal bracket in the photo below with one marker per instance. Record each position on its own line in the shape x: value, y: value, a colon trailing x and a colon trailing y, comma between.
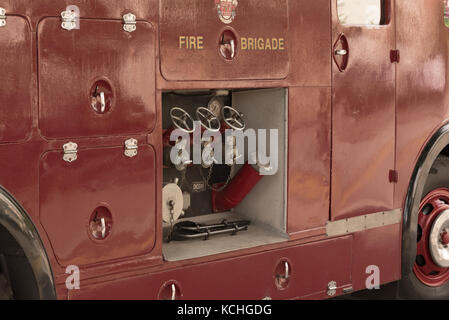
x: 332, y: 288
x: 2, y: 17
x: 129, y: 22
x: 131, y: 148
x: 68, y: 20
x: 70, y: 152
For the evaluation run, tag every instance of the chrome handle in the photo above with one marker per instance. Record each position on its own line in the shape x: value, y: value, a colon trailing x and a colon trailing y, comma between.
x: 103, y: 102
x: 173, y: 291
x: 341, y: 52
x: 232, y: 49
x: 103, y: 228
x: 287, y: 271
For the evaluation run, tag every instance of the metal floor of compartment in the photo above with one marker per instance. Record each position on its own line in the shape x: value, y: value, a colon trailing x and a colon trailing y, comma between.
x: 255, y: 236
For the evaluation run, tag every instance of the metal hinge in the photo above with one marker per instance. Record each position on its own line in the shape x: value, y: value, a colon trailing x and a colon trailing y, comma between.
x: 70, y: 152
x: 2, y: 17
x: 131, y: 148
x: 129, y: 22
x: 395, y: 56
x: 68, y: 20
x: 331, y: 288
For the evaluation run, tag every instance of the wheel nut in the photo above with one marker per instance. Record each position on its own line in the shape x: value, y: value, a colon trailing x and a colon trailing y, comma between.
x: 445, y: 238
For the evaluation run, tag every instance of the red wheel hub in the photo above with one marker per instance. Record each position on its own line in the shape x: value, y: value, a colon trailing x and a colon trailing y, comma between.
x: 427, y: 266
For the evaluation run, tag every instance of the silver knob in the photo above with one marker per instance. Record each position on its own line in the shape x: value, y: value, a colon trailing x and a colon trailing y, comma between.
x: 341, y: 52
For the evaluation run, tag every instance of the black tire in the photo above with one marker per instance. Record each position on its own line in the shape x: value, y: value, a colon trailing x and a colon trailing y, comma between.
x: 410, y: 287
x: 5, y: 289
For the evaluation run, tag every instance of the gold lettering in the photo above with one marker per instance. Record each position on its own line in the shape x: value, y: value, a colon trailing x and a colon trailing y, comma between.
x: 281, y: 44
x: 274, y: 44
x: 192, y: 42
x: 200, y: 43
x: 182, y: 41
x: 244, y: 44
x: 260, y: 44
x: 268, y: 44
x: 250, y: 44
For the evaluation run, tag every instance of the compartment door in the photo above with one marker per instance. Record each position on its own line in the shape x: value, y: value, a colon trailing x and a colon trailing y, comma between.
x: 102, y: 182
x: 194, y: 33
x: 76, y: 66
x: 363, y: 102
x: 16, y: 65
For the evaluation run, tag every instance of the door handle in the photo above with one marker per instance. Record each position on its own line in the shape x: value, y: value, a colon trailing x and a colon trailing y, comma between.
x: 341, y: 52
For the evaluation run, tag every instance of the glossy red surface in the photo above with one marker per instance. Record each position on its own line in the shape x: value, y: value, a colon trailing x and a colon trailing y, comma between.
x: 422, y: 83
x: 74, y: 61
x: 249, y: 277
x: 203, y: 61
x: 346, y: 131
x: 363, y: 120
x: 16, y: 81
x: 70, y: 192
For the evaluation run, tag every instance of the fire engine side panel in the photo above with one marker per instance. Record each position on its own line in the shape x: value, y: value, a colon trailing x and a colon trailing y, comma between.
x: 76, y: 66
x: 309, y: 158
x: 70, y: 193
x: 422, y: 82
x: 16, y: 84
x: 249, y: 277
x: 309, y: 43
x: 190, y: 33
x: 363, y: 119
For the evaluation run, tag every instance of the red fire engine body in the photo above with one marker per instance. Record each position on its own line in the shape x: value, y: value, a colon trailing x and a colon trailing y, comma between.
x: 362, y: 112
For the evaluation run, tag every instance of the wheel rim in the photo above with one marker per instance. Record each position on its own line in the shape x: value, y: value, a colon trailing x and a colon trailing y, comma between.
x: 432, y: 257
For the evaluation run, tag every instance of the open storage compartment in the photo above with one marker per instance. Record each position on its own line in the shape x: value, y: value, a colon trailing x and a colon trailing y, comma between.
x: 239, y: 201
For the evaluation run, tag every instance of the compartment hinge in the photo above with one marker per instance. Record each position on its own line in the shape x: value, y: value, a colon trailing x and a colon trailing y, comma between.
x: 129, y: 22
x: 2, y: 17
x: 332, y: 288
x: 70, y: 152
x: 131, y: 148
x: 68, y: 20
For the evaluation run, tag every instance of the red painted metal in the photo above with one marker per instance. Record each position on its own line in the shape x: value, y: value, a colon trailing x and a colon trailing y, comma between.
x: 252, y: 276
x: 372, y: 118
x: 426, y: 270
x: 71, y: 192
x: 193, y: 19
x: 75, y: 61
x: 363, y: 120
x: 445, y: 238
x: 239, y: 187
x: 16, y: 81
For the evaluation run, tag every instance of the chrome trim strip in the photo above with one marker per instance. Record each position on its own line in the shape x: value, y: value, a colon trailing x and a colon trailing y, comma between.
x: 362, y: 223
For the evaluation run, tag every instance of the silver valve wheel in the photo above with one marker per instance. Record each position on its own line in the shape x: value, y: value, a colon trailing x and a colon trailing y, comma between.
x: 182, y: 120
x: 208, y: 119
x: 233, y: 118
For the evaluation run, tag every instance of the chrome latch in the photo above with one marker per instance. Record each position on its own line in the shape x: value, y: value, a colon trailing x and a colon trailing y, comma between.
x: 2, y: 17
x: 70, y: 152
x: 131, y: 148
x: 129, y: 22
x: 68, y: 20
x: 332, y: 288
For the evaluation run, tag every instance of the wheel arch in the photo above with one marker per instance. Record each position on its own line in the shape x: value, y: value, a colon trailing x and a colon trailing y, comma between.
x: 17, y: 222
x: 435, y: 146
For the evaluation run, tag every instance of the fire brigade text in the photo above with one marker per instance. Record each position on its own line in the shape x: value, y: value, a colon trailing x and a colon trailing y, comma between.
x: 262, y: 44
